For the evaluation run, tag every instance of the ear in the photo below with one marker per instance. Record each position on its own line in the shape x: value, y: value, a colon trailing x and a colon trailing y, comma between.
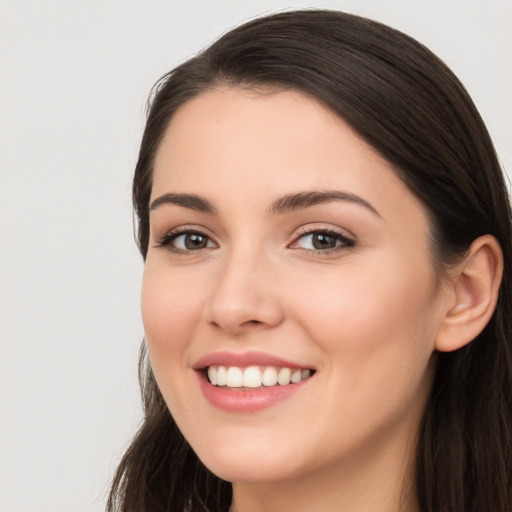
x: 474, y: 288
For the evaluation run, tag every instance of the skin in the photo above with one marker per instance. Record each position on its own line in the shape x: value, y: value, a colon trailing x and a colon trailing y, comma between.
x: 365, y: 316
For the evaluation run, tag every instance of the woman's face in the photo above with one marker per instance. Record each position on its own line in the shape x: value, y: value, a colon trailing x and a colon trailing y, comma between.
x: 282, y: 246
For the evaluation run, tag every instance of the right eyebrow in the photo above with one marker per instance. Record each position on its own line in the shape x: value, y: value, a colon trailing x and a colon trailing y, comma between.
x: 308, y: 199
x: 190, y: 201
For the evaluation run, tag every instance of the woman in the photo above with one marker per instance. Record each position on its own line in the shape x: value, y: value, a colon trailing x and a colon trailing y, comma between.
x: 326, y: 295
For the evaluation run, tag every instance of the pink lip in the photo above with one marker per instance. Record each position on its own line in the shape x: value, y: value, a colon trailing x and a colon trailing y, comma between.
x: 247, y: 400
x: 243, y: 360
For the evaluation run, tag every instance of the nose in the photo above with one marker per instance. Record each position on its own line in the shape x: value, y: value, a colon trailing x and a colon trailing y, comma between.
x: 244, y: 296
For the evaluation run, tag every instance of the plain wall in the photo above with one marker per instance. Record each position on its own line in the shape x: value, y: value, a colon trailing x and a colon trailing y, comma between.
x: 74, y: 79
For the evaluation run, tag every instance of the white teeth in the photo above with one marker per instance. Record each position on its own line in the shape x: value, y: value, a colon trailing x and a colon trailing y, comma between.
x: 234, y: 378
x: 269, y: 377
x: 283, y: 376
x: 221, y: 376
x: 255, y: 376
x: 252, y: 377
x: 296, y: 376
x: 212, y: 375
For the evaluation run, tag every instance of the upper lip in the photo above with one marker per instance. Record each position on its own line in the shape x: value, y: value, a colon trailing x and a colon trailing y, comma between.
x: 244, y: 359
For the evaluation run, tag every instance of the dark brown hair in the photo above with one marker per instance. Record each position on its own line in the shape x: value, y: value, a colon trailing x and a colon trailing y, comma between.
x: 410, y: 107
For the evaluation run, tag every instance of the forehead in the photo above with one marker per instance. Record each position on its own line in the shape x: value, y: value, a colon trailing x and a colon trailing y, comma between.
x: 257, y: 113
x: 255, y: 129
x: 259, y: 145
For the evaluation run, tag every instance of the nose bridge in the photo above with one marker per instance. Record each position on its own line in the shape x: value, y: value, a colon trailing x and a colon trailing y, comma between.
x: 244, y: 293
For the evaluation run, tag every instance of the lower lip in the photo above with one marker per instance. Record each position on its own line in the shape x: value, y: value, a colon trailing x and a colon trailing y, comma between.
x: 247, y: 400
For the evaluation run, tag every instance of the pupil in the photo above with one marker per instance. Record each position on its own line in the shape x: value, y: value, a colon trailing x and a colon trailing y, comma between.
x: 195, y: 242
x: 322, y: 241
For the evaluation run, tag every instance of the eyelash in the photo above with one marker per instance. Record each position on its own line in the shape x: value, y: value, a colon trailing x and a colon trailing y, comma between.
x: 168, y: 239
x: 343, y: 242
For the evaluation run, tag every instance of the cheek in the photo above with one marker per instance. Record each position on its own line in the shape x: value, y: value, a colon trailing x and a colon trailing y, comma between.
x: 171, y: 307
x: 373, y: 320
x: 376, y: 333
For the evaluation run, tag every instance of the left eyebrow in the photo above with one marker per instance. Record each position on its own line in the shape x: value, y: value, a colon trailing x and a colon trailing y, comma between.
x: 191, y: 201
x: 302, y: 200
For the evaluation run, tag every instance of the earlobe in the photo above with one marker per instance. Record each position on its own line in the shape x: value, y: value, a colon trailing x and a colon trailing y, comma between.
x: 474, y: 294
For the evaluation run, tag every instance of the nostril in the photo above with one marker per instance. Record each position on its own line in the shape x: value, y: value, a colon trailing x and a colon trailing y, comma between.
x: 238, y: 313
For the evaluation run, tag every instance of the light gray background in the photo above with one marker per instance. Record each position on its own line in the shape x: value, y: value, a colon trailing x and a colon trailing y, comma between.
x: 74, y: 78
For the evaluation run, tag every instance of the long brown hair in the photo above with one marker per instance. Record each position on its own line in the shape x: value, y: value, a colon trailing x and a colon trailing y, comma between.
x: 410, y: 107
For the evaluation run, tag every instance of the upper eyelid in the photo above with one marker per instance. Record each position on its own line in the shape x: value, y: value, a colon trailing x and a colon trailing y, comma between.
x: 322, y: 227
x: 187, y: 228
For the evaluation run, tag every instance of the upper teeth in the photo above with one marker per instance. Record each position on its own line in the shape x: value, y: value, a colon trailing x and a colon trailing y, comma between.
x: 255, y: 376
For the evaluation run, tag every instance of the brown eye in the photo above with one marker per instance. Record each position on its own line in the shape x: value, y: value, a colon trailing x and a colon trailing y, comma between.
x: 193, y: 241
x: 322, y: 241
x: 186, y: 241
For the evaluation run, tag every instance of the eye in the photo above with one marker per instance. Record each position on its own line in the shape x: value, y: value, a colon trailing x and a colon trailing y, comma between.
x: 186, y: 241
x: 321, y: 241
x: 191, y: 241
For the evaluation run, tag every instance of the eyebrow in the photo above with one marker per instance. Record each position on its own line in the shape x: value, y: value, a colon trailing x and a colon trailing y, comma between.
x: 285, y: 204
x: 302, y: 200
x: 191, y: 201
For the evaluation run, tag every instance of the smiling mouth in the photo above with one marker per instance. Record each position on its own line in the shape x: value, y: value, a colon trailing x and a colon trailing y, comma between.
x: 252, y: 377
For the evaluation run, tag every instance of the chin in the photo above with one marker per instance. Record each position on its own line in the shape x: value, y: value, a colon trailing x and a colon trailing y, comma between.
x: 252, y: 463
x: 247, y: 471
